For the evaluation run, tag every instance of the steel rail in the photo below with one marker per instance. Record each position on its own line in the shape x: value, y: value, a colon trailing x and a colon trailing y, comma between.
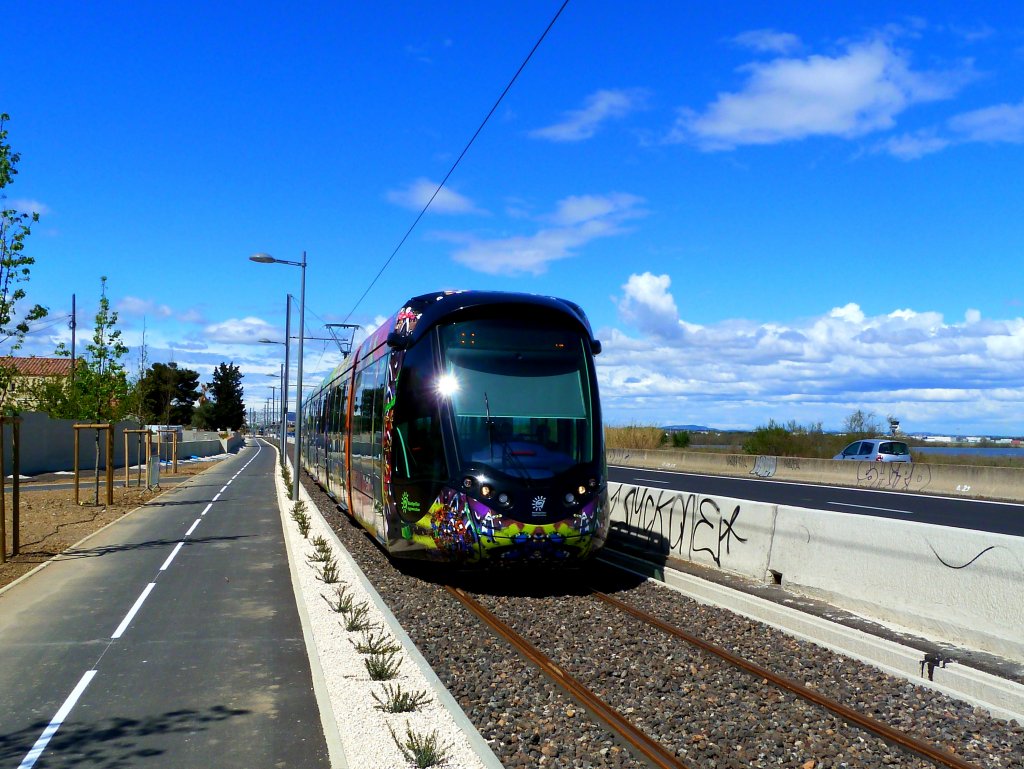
x: 889, y: 733
x: 652, y: 751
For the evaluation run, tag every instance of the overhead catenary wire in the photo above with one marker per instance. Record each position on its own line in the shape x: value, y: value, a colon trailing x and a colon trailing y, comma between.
x: 454, y: 165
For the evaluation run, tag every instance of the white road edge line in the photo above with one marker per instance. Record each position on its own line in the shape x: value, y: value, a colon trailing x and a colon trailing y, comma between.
x: 192, y: 527
x: 652, y: 480
x: 873, y: 507
x: 131, y: 612
x: 54, y: 725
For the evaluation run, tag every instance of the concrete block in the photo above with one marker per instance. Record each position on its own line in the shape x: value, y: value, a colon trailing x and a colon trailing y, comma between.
x: 730, y: 534
x: 955, y: 584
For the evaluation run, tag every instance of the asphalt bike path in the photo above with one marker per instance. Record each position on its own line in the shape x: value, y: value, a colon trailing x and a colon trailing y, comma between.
x: 170, y: 639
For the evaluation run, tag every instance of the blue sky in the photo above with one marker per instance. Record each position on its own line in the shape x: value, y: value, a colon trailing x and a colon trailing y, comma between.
x: 769, y: 211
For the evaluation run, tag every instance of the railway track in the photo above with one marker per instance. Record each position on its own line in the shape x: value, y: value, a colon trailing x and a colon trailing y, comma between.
x: 652, y: 750
x: 667, y: 691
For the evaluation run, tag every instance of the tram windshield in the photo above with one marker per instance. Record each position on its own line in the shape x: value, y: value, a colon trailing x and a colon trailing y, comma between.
x: 521, y: 395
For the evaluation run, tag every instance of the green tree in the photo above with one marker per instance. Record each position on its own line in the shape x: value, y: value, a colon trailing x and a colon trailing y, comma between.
x: 771, y: 440
x: 203, y: 417
x: 100, y: 392
x: 15, y: 227
x: 167, y: 394
x: 226, y: 388
x: 861, y: 422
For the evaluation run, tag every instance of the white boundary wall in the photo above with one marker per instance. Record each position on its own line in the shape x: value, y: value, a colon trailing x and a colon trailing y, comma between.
x: 955, y: 585
x: 48, y: 445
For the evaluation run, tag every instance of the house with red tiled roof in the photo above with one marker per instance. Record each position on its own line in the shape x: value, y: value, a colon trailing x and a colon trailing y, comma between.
x: 29, y: 372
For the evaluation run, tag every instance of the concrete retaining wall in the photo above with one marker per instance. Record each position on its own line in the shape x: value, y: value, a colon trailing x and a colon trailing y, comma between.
x: 949, y: 584
x: 730, y: 534
x: 954, y: 584
x: 48, y: 445
x: 966, y: 481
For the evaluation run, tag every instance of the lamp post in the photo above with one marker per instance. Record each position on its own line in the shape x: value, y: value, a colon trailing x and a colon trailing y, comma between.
x: 282, y: 431
x: 268, y: 259
x: 273, y: 400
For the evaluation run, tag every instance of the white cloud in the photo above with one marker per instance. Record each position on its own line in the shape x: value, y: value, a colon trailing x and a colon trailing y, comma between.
x: 600, y: 107
x: 997, y: 124
x: 417, y: 193
x: 915, y: 145
x: 242, y: 331
x: 577, y: 221
x: 648, y: 305
x: 857, y: 92
x: 740, y: 373
x: 768, y: 41
x: 26, y: 206
x: 132, y: 305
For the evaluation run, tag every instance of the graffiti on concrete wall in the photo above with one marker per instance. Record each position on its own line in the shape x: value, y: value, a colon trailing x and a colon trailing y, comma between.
x: 688, y: 523
x: 950, y: 565
x: 765, y: 467
x: 896, y: 476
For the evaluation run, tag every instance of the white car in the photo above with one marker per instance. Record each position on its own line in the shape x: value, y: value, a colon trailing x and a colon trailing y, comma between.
x: 876, y: 450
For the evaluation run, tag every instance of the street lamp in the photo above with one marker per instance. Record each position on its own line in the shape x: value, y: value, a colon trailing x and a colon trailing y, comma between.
x: 268, y: 259
x: 283, y: 431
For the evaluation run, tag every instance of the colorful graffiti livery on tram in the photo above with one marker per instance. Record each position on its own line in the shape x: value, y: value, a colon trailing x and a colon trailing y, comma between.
x: 467, y: 429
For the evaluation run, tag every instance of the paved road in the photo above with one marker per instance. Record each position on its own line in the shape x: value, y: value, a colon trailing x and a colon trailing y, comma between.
x: 171, y: 639
x: 997, y: 517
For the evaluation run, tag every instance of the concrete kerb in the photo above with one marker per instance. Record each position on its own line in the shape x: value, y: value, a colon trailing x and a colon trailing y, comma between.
x: 1001, y: 698
x: 476, y: 741
x: 335, y: 746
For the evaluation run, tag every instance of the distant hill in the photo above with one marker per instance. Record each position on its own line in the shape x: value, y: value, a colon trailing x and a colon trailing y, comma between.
x: 688, y: 428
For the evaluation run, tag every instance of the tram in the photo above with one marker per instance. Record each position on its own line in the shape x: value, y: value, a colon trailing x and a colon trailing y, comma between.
x: 467, y: 429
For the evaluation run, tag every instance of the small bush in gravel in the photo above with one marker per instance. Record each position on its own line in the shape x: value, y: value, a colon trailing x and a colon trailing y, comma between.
x: 397, y: 701
x: 356, y: 619
x: 382, y: 667
x: 342, y: 602
x: 422, y: 750
x: 287, y: 476
x: 322, y: 551
x: 329, y: 572
x: 375, y: 644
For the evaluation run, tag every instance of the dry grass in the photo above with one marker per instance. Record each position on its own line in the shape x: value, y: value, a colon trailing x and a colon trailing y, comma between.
x: 51, y: 522
x: 634, y: 437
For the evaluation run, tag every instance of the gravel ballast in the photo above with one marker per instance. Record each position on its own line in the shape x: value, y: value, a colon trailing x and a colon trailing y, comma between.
x: 708, y: 713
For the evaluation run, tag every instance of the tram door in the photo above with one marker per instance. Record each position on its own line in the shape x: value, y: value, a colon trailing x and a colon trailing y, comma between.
x: 367, y: 436
x: 336, y: 412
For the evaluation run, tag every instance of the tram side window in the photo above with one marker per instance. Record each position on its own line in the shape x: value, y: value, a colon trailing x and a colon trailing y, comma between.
x: 380, y: 377
x: 417, y: 451
x: 336, y: 417
x: 362, y: 412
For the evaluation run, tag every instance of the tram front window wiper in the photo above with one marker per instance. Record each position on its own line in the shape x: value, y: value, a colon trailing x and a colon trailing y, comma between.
x: 490, y: 425
x: 509, y: 456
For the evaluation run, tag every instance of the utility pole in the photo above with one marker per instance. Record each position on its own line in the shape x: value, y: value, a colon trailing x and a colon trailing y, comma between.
x: 74, y: 326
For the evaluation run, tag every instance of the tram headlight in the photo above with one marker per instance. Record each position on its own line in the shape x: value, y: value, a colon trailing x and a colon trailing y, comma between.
x: 581, y: 490
x: 485, y: 491
x: 467, y: 483
x: 503, y: 499
x: 570, y: 498
x: 447, y: 385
